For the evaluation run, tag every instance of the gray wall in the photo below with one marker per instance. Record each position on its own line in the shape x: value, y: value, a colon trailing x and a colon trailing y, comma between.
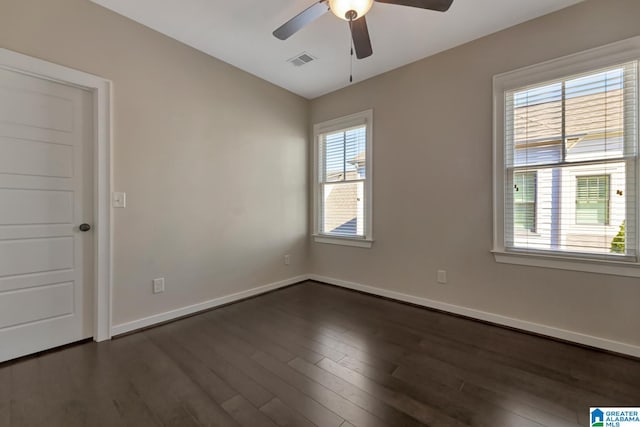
x: 213, y: 160
x: 432, y: 154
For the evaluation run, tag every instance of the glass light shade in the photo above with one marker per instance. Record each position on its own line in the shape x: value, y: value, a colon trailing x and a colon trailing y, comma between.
x: 341, y: 7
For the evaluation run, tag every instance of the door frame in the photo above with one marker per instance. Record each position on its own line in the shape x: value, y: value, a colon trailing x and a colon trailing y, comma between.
x: 101, y: 90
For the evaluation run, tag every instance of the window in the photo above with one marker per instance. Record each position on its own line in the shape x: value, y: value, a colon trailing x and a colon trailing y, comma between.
x: 592, y: 200
x: 342, y: 185
x: 566, y: 155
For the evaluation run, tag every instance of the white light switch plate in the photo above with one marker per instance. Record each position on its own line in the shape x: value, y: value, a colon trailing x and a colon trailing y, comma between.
x: 119, y: 199
x: 442, y: 276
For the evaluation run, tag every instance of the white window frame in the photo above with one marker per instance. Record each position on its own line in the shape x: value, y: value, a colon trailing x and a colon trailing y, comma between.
x: 352, y: 120
x: 584, y: 62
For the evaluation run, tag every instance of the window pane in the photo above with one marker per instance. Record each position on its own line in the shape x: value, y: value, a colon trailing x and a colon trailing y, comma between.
x: 356, y: 143
x: 577, y: 209
x: 343, y: 209
x: 587, y: 125
x: 344, y: 155
x: 595, y: 116
x: 334, y: 157
x: 537, y: 122
x: 524, y: 198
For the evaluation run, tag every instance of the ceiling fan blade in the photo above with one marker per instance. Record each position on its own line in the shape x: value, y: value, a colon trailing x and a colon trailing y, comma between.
x: 439, y: 5
x: 302, y: 19
x: 360, y: 36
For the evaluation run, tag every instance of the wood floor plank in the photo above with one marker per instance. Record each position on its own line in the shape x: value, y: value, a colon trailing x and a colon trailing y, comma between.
x: 323, y: 395
x: 185, y: 335
x: 194, y: 368
x: 350, y: 392
x: 266, y: 345
x: 283, y: 415
x: 345, y: 342
x: 284, y: 331
x: 245, y: 413
x: 147, y: 375
x: 539, y: 385
x: 67, y: 394
x: 423, y: 365
x: 287, y: 393
x: 173, y: 396
x: 266, y: 329
x: 98, y: 387
x: 5, y: 397
x: 132, y: 409
x: 361, y: 333
x: 415, y: 409
x: 523, y: 409
x: 444, y: 397
x: 372, y: 371
x: 474, y: 404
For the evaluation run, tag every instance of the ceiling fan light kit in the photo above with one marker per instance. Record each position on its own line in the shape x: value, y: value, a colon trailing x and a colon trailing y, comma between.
x: 344, y: 9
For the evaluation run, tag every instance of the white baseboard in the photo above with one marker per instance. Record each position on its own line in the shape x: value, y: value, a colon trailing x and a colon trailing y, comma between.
x: 550, y: 331
x: 206, y: 305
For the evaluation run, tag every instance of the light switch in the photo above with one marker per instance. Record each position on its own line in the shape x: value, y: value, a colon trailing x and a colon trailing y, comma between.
x: 442, y: 276
x: 158, y: 285
x: 119, y: 199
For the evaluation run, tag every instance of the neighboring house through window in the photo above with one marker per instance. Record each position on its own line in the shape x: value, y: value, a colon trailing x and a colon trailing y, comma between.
x: 566, y: 151
x: 342, y: 185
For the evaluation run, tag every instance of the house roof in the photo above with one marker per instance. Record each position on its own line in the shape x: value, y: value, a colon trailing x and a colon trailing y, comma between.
x: 586, y: 116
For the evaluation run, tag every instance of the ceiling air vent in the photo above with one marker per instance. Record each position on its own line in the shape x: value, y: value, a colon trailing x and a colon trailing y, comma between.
x: 302, y: 59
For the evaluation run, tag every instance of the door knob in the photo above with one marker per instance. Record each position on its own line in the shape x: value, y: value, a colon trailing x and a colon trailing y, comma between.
x: 84, y: 227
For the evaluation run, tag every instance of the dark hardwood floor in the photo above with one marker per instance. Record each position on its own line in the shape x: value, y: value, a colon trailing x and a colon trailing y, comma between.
x: 314, y: 354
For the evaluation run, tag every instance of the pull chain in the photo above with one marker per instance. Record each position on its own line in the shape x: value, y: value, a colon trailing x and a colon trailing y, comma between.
x: 351, y: 46
x: 351, y: 70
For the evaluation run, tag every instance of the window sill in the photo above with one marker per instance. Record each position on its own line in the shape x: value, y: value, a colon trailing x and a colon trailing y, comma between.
x: 344, y: 241
x: 610, y: 267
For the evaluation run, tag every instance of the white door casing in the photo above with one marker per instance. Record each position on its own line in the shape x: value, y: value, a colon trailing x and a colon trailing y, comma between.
x: 55, y: 281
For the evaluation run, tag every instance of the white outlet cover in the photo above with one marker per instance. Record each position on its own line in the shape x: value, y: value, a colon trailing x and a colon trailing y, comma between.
x: 442, y: 276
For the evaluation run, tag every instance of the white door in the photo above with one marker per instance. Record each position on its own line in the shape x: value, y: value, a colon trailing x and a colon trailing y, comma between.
x: 46, y: 193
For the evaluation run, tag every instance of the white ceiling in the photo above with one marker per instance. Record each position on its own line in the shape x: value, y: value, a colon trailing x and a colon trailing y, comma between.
x: 239, y: 32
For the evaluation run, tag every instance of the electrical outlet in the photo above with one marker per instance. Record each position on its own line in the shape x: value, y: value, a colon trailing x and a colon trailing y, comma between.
x: 158, y: 285
x: 287, y: 259
x: 442, y: 276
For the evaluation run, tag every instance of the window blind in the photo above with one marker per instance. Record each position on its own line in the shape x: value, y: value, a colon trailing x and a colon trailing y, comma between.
x: 343, y: 161
x: 570, y: 164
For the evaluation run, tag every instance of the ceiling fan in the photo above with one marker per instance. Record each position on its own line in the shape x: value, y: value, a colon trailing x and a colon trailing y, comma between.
x: 352, y: 11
